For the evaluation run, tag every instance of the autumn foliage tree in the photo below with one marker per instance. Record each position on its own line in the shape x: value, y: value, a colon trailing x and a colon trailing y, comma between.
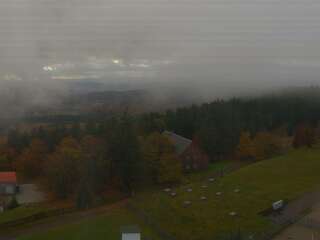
x: 31, y: 160
x: 246, y: 147
x: 77, y: 168
x: 7, y: 157
x: 62, y: 169
x: 304, y: 135
x: 170, y: 168
x: 160, y: 159
x: 266, y: 144
x: 262, y: 145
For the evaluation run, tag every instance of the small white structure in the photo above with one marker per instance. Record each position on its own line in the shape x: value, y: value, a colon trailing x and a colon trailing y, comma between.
x: 167, y: 190
x: 237, y: 190
x: 130, y: 233
x: 189, y: 190
x: 218, y: 193
x: 233, y: 214
x: 277, y: 205
x: 203, y: 198
x: 211, y: 179
x: 173, y: 194
x: 204, y: 186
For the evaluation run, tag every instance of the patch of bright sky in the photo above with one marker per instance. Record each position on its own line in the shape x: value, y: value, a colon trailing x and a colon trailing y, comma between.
x: 95, y: 68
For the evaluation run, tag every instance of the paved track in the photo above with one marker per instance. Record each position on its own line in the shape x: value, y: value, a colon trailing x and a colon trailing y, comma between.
x: 305, y: 229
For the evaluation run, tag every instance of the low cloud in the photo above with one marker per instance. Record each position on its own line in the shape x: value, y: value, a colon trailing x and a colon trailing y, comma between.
x: 213, y: 48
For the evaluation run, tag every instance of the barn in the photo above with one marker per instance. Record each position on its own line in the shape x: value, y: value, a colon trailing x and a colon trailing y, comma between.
x: 192, y: 156
x: 8, y: 183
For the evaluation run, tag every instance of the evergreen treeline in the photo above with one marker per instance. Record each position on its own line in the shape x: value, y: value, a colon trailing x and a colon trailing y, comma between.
x: 80, y: 159
x: 218, y: 124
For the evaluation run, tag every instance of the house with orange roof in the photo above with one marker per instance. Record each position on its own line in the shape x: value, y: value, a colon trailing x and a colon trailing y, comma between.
x: 8, y: 183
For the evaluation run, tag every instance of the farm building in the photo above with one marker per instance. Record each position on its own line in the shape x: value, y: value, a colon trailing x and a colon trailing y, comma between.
x: 8, y: 183
x: 190, y: 153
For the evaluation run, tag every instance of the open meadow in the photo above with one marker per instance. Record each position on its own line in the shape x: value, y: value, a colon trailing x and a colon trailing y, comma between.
x: 204, y: 209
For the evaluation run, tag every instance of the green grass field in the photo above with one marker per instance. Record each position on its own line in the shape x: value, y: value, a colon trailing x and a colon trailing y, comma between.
x: 19, y: 213
x: 213, y: 169
x: 99, y: 228
x: 260, y: 184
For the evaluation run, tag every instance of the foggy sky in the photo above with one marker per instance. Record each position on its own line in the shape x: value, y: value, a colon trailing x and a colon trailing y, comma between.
x: 205, y: 44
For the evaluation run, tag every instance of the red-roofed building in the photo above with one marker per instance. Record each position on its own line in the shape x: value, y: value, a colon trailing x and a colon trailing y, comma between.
x: 8, y: 183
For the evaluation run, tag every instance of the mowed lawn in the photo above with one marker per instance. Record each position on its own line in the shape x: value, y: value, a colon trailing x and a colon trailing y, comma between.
x: 260, y: 184
x: 20, y: 212
x: 95, y: 228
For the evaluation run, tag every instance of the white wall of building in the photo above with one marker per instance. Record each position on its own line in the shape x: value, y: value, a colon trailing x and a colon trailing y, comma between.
x: 131, y: 236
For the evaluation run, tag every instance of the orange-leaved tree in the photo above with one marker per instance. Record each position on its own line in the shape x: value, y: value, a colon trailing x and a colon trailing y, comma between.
x: 31, y: 160
x: 304, y: 135
x: 246, y: 147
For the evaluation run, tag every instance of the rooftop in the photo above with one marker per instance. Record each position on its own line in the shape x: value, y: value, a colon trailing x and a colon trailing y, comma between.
x: 8, y: 177
x: 180, y: 143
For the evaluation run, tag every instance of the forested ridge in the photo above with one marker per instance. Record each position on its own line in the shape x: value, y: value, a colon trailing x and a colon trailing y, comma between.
x: 80, y: 159
x: 218, y: 124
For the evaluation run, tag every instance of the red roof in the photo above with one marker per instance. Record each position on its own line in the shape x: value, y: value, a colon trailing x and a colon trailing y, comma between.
x: 8, y: 177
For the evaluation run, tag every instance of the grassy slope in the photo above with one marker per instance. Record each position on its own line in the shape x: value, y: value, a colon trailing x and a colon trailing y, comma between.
x: 213, y: 169
x: 284, y: 177
x: 260, y: 184
x: 99, y: 228
x: 20, y: 212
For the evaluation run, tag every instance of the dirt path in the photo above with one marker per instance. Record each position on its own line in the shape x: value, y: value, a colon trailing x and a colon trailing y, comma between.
x: 295, y: 209
x: 53, y: 222
x: 308, y: 227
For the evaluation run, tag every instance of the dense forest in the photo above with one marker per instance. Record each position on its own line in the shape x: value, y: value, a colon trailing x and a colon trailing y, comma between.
x: 218, y: 125
x: 79, y: 159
